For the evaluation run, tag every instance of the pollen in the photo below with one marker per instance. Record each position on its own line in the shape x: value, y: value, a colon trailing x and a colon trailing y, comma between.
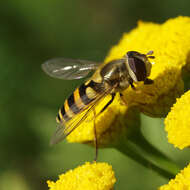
x: 177, y: 122
x: 181, y: 181
x: 91, y: 176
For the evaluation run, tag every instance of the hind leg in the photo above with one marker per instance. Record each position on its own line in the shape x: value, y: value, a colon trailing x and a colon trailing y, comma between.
x: 95, y: 137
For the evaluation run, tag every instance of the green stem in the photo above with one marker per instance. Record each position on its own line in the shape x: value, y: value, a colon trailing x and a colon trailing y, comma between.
x: 130, y: 149
x: 153, y: 154
x: 133, y: 144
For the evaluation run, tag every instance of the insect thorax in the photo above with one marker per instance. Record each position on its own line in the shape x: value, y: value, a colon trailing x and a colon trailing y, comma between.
x: 116, y: 75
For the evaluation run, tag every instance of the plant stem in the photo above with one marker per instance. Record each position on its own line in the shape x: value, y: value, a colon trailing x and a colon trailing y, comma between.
x: 154, y: 154
x: 134, y: 151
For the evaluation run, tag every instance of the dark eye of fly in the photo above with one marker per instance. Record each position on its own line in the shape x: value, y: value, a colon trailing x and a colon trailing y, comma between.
x: 138, y: 67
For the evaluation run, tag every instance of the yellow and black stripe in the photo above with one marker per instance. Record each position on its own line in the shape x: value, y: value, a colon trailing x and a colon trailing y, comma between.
x: 78, y: 100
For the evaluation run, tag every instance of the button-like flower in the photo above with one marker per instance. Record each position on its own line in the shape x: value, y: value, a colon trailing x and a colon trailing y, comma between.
x: 170, y: 43
x: 181, y: 181
x: 90, y: 176
x: 177, y: 123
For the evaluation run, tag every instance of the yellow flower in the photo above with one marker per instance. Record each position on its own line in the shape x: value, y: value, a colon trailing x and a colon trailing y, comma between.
x: 177, y: 123
x: 161, y: 106
x: 181, y: 181
x: 170, y: 43
x: 90, y: 176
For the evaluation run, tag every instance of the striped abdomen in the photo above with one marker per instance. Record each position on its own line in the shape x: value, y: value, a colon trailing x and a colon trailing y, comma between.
x: 79, y: 100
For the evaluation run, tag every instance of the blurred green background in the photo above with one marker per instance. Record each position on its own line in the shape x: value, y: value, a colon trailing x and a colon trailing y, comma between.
x: 32, y: 32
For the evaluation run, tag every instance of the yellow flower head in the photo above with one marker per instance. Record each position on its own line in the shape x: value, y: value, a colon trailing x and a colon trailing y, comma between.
x: 181, y: 181
x: 91, y: 176
x: 160, y: 108
x: 177, y: 123
x: 170, y: 43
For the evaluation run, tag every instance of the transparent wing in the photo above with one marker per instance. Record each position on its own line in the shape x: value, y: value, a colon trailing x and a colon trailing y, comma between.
x: 69, y: 69
x: 64, y: 129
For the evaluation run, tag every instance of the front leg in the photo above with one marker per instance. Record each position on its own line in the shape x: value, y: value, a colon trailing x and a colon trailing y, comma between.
x: 123, y: 99
x: 148, y: 81
x: 124, y: 102
x: 131, y: 84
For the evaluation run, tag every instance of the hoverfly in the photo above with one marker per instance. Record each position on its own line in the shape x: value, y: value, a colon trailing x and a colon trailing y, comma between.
x: 110, y: 78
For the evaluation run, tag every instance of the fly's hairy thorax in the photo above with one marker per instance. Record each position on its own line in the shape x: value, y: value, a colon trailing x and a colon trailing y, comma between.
x: 116, y: 75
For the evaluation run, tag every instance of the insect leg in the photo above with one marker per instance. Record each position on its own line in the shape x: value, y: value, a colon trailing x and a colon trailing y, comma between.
x: 123, y: 100
x: 148, y: 81
x: 132, y: 86
x: 112, y: 98
x: 95, y: 137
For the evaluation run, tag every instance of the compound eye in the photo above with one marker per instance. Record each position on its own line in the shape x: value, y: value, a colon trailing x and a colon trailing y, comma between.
x: 138, y: 67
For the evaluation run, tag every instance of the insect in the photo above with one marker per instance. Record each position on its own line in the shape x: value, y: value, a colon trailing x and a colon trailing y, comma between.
x: 109, y: 78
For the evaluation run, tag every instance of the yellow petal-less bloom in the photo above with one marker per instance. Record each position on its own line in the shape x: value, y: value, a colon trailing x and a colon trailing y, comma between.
x: 181, y: 181
x: 91, y: 176
x: 170, y: 43
x: 160, y: 108
x: 177, y: 122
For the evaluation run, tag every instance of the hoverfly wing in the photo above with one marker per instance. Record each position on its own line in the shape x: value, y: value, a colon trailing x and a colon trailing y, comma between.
x: 68, y: 69
x: 65, y: 128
